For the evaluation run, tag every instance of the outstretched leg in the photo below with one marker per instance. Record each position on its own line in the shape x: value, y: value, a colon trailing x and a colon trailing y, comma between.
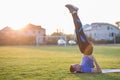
x: 84, y: 45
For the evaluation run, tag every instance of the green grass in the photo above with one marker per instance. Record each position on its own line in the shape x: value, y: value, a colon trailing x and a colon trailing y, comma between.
x: 52, y: 62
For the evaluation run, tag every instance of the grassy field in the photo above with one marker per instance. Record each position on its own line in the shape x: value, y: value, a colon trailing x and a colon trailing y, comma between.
x: 52, y: 62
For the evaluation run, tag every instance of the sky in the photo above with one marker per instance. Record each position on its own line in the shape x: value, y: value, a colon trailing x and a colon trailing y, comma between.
x: 53, y: 15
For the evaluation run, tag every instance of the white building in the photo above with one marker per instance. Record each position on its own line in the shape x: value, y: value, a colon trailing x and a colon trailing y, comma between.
x: 102, y: 31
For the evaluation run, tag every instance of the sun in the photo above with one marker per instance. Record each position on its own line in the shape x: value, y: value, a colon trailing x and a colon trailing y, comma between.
x: 16, y: 28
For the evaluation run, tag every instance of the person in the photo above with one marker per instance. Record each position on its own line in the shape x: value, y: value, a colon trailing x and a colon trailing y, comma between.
x: 86, y: 65
x: 85, y: 46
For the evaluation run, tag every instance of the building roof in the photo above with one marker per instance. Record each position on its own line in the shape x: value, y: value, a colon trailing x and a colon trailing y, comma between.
x: 105, y: 24
x: 7, y: 29
x: 32, y: 27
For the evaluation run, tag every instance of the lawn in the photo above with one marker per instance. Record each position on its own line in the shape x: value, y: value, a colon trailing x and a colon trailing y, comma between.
x: 52, y: 62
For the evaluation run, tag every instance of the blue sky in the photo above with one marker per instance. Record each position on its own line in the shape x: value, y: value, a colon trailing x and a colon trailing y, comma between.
x: 52, y: 14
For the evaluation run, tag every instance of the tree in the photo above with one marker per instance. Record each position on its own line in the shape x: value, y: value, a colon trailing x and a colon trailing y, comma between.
x: 118, y: 24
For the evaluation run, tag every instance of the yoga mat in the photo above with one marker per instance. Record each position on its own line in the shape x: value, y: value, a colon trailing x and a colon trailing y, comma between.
x: 110, y: 70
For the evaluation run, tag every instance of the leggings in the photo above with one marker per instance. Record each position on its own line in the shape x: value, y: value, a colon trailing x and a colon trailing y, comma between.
x: 84, y: 44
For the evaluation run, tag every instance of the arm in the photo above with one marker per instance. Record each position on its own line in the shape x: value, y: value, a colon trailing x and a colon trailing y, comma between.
x: 97, y: 69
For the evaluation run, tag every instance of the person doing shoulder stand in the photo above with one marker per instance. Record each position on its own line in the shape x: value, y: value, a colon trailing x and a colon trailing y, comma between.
x: 85, y: 46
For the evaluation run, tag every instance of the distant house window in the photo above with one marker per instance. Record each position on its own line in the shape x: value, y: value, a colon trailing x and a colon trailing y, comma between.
x: 112, y: 34
x: 111, y: 28
x: 34, y: 32
x: 108, y: 28
x: 100, y: 25
x: 94, y: 34
x: 38, y: 31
